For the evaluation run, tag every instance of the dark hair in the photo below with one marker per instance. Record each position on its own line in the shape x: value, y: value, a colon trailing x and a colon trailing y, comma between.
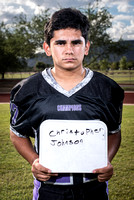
x: 66, y: 18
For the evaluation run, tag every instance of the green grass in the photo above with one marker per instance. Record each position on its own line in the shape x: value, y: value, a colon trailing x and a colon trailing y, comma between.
x: 120, y: 76
x: 121, y: 186
x: 123, y: 77
x: 16, y: 181
x: 14, y: 75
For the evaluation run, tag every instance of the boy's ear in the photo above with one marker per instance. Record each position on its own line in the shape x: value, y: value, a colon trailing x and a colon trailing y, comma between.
x: 87, y: 47
x: 47, y: 49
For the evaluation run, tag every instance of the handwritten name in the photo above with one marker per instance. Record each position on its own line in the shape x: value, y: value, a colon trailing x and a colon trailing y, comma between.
x: 66, y: 142
x: 74, y: 136
x: 54, y: 133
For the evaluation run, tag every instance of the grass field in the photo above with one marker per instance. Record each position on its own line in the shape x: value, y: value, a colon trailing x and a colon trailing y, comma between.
x: 121, y: 76
x: 16, y: 181
x: 13, y: 75
x: 125, y: 78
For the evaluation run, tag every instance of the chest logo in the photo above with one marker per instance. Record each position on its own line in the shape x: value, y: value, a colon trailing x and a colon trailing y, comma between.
x: 75, y: 107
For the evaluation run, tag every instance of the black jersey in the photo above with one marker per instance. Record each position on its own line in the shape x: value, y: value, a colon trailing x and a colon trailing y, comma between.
x: 36, y: 99
x: 39, y: 98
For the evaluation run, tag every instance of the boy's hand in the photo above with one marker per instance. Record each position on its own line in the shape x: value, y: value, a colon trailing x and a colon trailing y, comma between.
x: 104, y: 174
x: 41, y: 173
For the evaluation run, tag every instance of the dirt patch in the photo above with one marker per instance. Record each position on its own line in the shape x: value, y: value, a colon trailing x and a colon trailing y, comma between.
x: 4, y: 98
x: 7, y: 84
x: 129, y: 97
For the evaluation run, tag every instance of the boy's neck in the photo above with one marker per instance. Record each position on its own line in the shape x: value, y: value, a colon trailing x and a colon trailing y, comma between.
x: 68, y: 79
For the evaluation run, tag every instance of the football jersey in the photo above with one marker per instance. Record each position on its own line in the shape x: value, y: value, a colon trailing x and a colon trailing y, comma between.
x: 40, y: 97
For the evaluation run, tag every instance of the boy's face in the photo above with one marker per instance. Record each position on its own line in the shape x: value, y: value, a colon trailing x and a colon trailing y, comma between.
x: 67, y: 49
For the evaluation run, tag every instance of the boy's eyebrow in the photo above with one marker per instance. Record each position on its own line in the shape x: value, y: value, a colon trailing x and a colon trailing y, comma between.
x: 77, y: 41
x: 60, y: 42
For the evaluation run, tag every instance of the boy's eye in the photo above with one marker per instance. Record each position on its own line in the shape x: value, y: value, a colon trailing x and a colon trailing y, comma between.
x: 62, y: 42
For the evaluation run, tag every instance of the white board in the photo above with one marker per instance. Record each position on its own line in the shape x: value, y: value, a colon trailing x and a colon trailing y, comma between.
x: 73, y: 146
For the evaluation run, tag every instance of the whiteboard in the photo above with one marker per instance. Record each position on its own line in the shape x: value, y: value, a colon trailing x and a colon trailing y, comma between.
x: 73, y: 146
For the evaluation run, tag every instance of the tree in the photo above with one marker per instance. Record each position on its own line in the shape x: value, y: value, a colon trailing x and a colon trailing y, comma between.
x: 41, y: 66
x: 94, y: 65
x: 114, y: 65
x: 130, y: 65
x: 26, y: 36
x: 104, y: 64
x: 20, y: 41
x: 123, y: 63
x: 36, y: 27
x: 8, y: 60
x: 30, y: 33
x: 101, y: 43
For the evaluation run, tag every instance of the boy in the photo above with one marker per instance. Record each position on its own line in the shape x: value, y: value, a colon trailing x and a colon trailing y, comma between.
x: 38, y: 98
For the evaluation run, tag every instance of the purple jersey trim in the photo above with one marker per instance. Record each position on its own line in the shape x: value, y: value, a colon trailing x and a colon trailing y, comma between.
x: 61, y: 179
x: 67, y: 179
x: 37, y: 186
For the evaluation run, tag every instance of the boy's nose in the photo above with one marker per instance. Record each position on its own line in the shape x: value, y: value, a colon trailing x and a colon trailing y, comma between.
x: 69, y: 49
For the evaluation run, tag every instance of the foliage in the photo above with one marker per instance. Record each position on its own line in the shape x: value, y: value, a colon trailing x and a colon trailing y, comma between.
x: 24, y: 37
x: 20, y: 41
x: 130, y: 65
x: 123, y: 63
x: 20, y: 36
x: 94, y: 65
x: 31, y: 31
x: 104, y: 64
x: 114, y: 66
x: 41, y: 66
x: 101, y: 43
x: 8, y: 58
x: 36, y: 27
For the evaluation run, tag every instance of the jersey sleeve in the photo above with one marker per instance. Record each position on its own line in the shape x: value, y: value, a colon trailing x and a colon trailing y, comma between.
x: 116, y: 115
x: 19, y: 106
x: 111, y: 104
x: 115, y: 107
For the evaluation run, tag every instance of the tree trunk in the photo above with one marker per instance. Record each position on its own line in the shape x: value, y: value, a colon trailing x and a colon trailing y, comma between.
x: 2, y: 75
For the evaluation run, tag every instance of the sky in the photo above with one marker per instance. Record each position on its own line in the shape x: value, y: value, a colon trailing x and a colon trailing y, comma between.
x: 121, y: 10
